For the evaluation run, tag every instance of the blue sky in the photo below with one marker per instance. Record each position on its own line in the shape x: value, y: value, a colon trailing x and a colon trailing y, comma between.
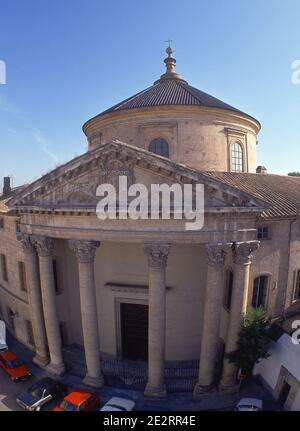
x: 67, y: 60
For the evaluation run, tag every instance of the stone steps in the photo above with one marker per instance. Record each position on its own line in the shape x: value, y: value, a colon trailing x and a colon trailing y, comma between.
x: 121, y: 373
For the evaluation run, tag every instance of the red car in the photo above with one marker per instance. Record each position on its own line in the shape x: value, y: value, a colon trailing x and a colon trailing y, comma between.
x: 13, y: 367
x: 78, y: 401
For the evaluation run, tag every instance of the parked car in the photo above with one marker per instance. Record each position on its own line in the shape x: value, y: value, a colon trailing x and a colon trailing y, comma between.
x: 249, y: 405
x: 41, y: 393
x: 117, y: 404
x: 13, y: 367
x: 3, y: 345
x: 78, y: 401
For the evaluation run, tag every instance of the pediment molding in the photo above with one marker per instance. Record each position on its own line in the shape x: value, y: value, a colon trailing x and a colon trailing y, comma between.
x: 74, y: 183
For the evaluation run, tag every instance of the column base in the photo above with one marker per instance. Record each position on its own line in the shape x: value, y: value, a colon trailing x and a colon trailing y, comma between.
x: 229, y: 388
x: 201, y: 391
x: 94, y: 382
x: 154, y: 392
x: 40, y: 361
x: 56, y: 369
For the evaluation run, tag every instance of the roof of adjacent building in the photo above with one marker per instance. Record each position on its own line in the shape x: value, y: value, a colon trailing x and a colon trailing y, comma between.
x: 170, y: 90
x: 4, y: 199
x: 281, y: 192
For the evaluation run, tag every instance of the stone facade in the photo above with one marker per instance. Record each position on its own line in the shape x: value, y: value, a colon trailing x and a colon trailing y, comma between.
x: 79, y: 270
x: 198, y: 137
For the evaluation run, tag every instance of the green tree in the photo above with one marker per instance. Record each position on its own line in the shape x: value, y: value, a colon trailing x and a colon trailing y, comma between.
x: 294, y: 174
x: 253, y: 342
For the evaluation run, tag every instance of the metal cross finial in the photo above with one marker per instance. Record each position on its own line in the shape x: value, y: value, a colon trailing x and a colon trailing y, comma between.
x: 169, y: 42
x: 169, y: 50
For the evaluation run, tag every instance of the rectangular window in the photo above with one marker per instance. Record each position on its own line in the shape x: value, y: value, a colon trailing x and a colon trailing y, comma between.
x: 3, y: 267
x: 22, y: 276
x: 63, y: 333
x: 55, y: 275
x: 10, y: 318
x: 263, y: 232
x: 18, y: 226
x: 297, y: 287
x: 236, y: 157
x: 228, y: 288
x: 260, y: 291
x: 1, y: 223
x: 29, y: 331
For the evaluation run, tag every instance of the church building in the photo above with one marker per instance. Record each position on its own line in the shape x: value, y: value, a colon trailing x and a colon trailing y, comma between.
x: 147, y: 304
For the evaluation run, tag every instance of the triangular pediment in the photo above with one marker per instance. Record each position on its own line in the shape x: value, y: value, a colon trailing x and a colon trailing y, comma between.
x: 74, y: 184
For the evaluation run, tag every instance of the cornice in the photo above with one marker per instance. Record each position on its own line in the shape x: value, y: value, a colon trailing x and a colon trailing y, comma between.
x: 171, y: 110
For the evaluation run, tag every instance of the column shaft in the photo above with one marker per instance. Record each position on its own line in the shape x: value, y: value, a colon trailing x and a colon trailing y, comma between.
x: 35, y: 300
x: 45, y: 247
x: 216, y: 254
x: 85, y: 252
x: 157, y: 260
x: 242, y: 256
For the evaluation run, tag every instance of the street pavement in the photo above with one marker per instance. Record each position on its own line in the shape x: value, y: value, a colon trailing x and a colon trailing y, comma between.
x: 174, y: 402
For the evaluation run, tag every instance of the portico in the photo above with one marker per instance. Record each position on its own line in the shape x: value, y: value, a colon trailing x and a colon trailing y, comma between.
x: 156, y: 254
x: 159, y: 263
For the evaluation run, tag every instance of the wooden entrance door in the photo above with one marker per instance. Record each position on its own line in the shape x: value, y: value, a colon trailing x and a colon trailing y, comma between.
x: 284, y: 393
x: 134, y: 331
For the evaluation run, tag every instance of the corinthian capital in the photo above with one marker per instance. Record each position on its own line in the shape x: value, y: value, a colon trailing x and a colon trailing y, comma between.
x: 243, y: 251
x: 85, y: 250
x: 26, y: 244
x: 216, y: 253
x: 157, y: 254
x: 43, y: 244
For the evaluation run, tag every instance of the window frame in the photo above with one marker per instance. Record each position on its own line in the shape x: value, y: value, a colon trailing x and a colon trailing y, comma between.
x: 160, y: 141
x: 10, y: 318
x: 265, y: 293
x: 29, y: 332
x: 296, y: 292
x: 57, y: 275
x: 228, y: 288
x: 22, y: 276
x: 3, y: 265
x: 63, y: 330
x: 263, y: 238
x: 234, y: 143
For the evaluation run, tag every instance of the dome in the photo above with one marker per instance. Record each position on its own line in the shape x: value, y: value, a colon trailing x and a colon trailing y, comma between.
x: 169, y: 90
x: 178, y: 121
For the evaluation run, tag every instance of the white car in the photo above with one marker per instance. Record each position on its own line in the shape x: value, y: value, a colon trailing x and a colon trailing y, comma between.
x: 249, y: 405
x: 3, y: 345
x: 117, y: 404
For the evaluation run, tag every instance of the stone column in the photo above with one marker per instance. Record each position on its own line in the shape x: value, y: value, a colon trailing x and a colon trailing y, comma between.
x: 216, y: 254
x: 44, y: 246
x: 85, y: 253
x: 242, y: 257
x: 35, y: 300
x: 157, y: 254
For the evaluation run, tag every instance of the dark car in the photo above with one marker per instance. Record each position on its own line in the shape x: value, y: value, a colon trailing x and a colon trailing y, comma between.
x: 40, y: 393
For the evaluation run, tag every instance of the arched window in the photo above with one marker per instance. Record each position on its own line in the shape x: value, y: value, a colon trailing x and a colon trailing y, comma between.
x: 228, y: 288
x: 259, y: 295
x: 297, y: 286
x: 236, y: 156
x: 159, y: 146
